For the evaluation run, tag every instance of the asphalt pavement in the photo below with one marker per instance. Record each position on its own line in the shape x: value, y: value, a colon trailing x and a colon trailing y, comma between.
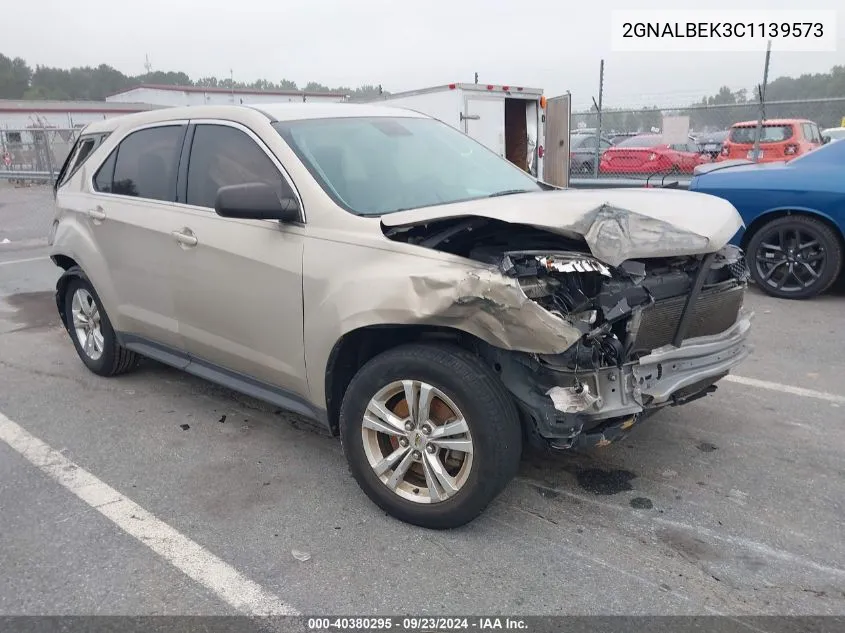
x: 158, y: 493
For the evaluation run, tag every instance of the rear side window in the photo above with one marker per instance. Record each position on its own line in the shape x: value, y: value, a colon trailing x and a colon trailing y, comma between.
x: 144, y: 165
x: 769, y: 134
x: 808, y: 132
x: 222, y: 155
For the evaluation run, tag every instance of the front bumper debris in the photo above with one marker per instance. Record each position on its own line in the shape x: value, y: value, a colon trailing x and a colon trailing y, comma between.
x: 602, y: 405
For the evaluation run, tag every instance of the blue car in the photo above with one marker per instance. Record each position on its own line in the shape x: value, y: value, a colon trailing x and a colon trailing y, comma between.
x: 794, y: 215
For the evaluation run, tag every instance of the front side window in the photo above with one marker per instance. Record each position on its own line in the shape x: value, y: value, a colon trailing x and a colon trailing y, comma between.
x: 222, y: 155
x: 376, y: 165
x: 144, y: 165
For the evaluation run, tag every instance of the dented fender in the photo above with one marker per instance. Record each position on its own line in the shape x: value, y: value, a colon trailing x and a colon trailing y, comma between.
x: 406, y: 288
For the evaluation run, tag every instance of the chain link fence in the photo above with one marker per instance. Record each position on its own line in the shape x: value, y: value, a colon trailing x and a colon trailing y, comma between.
x: 629, y: 146
x: 34, y: 154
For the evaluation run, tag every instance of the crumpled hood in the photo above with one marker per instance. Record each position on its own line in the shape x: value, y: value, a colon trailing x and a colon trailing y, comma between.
x: 617, y: 224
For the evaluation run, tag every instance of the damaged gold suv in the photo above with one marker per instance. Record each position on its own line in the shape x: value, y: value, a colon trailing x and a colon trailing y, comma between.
x: 385, y: 275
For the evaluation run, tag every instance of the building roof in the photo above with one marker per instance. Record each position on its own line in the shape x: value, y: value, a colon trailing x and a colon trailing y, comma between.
x: 26, y: 106
x: 237, y: 91
x: 275, y: 111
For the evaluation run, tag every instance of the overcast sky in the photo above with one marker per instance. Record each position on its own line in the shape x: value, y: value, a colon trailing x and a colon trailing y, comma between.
x: 403, y: 45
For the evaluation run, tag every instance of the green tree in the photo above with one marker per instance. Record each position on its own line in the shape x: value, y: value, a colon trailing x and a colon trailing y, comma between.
x: 15, y: 76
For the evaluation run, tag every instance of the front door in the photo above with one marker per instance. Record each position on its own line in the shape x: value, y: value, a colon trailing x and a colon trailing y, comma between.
x: 238, y: 283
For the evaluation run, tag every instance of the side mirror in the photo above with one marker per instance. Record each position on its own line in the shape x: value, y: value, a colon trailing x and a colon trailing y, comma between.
x: 825, y: 140
x: 255, y: 201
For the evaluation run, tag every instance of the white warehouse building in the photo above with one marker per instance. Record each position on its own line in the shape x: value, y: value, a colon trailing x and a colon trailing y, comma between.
x: 18, y: 114
x: 163, y: 95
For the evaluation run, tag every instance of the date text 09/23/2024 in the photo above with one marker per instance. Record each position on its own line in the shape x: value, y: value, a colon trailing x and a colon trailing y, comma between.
x: 425, y: 623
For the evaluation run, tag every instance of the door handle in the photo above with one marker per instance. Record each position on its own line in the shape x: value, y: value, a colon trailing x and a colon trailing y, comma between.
x: 185, y: 237
x: 97, y: 214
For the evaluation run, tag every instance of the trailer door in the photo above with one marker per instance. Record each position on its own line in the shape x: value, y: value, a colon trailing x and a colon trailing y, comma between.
x: 556, y: 163
x: 484, y: 120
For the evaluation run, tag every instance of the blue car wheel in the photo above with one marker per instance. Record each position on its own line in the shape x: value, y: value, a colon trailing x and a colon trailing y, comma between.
x: 794, y: 257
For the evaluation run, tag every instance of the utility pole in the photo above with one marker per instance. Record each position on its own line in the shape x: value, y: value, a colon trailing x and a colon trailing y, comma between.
x: 148, y: 67
x: 232, y: 83
x: 761, y: 94
x: 476, y: 77
x: 598, y: 126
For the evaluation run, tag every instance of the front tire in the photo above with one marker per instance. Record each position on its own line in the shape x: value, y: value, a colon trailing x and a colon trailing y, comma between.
x: 794, y: 257
x: 92, y: 333
x: 430, y: 433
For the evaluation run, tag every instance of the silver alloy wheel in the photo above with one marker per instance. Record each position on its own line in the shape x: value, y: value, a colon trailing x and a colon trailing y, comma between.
x: 86, y: 323
x: 417, y: 441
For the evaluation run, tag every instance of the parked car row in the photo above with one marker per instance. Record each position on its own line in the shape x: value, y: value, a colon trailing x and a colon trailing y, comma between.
x: 780, y: 140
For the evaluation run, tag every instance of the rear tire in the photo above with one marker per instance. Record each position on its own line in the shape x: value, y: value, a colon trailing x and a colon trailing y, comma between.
x: 92, y: 333
x: 815, y: 258
x: 492, y: 434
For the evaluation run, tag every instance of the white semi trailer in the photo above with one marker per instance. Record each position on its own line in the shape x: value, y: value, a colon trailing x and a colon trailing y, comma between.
x: 510, y: 120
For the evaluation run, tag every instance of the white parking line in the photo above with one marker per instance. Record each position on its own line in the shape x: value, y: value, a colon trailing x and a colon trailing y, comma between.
x: 177, y: 549
x: 795, y: 391
x: 23, y: 261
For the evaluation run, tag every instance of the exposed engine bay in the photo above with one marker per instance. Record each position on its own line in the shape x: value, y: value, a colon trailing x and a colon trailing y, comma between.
x: 636, y: 319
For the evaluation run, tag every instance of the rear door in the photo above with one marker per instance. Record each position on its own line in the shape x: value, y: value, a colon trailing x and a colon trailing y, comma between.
x: 130, y: 214
x: 238, y: 283
x: 485, y: 121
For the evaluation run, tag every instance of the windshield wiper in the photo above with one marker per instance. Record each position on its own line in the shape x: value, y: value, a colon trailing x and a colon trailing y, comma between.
x: 507, y: 192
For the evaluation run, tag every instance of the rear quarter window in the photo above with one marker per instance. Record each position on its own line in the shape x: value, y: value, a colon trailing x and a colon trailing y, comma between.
x: 79, y: 153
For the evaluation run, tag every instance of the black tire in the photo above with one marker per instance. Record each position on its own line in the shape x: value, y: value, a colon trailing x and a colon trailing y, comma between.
x: 486, y: 406
x: 587, y: 168
x: 114, y: 359
x: 827, y: 269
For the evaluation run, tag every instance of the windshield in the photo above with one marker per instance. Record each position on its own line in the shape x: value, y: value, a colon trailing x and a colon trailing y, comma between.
x: 769, y: 134
x: 377, y: 165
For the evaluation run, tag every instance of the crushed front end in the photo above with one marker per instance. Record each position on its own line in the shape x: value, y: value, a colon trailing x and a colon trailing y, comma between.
x: 655, y: 333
